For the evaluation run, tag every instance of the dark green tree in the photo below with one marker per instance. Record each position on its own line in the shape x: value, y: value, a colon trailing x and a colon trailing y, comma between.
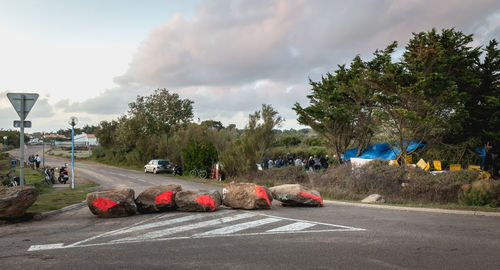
x: 420, y: 97
x: 341, y: 108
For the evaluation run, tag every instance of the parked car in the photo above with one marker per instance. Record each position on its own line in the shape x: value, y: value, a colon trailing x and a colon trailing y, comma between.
x: 157, y: 166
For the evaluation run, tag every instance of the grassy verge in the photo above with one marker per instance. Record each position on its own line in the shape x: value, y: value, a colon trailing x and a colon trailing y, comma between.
x: 211, y: 182
x: 79, y: 154
x: 54, y: 198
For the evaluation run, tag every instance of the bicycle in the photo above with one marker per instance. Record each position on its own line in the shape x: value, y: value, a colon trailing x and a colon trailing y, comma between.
x: 200, y: 173
x: 49, y: 177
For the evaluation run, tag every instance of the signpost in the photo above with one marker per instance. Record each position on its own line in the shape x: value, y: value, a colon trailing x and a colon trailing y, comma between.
x: 22, y: 103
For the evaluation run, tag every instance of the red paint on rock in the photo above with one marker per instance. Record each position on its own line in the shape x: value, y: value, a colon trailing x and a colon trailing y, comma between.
x: 261, y: 193
x: 311, y: 196
x: 103, y: 203
x: 164, y: 198
x: 206, y: 201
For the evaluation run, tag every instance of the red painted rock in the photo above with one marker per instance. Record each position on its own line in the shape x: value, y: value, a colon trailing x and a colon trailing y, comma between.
x: 14, y: 201
x: 246, y: 196
x: 198, y: 200
x: 296, y: 195
x: 112, y: 203
x: 157, y: 199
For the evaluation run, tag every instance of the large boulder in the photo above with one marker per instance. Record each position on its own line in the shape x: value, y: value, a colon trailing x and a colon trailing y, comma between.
x: 112, y: 203
x: 198, y: 200
x: 157, y: 199
x: 14, y: 201
x: 373, y: 198
x: 246, y: 196
x: 296, y: 195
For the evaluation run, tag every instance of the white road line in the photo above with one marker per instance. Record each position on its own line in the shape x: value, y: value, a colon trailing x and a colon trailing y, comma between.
x: 45, y: 247
x: 318, y: 223
x: 164, y: 223
x: 297, y: 226
x: 239, y: 227
x: 165, y: 232
x: 111, y: 232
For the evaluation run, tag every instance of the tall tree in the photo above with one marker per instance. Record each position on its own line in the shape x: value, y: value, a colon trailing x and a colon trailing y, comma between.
x: 341, y: 108
x: 159, y: 113
x: 420, y: 97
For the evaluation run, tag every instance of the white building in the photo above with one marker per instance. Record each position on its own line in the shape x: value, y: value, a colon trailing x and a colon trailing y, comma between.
x: 88, y: 139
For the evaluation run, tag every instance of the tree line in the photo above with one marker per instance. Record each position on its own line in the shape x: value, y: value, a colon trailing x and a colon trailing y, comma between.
x: 441, y: 91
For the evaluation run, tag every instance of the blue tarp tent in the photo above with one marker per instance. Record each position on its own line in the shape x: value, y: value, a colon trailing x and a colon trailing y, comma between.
x: 379, y: 151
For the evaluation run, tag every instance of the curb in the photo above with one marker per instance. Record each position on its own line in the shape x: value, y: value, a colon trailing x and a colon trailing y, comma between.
x: 64, y: 209
x: 415, y: 209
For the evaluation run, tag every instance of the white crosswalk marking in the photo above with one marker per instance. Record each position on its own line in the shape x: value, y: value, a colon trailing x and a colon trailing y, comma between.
x: 239, y: 227
x: 164, y: 223
x: 297, y: 226
x: 223, y: 223
x: 169, y: 231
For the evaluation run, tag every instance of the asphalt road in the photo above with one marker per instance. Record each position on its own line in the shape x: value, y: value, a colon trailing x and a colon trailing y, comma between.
x: 331, y: 237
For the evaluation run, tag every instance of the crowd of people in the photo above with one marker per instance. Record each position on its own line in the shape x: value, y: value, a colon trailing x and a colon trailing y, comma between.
x: 313, y: 163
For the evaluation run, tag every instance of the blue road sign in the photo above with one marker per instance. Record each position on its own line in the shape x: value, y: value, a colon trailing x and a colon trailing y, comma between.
x: 13, y: 163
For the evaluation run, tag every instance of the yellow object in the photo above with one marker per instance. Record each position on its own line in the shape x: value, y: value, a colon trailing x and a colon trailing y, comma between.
x: 437, y: 165
x: 427, y: 166
x: 393, y: 162
x: 455, y: 167
x: 421, y: 163
x: 474, y: 167
x: 408, y: 159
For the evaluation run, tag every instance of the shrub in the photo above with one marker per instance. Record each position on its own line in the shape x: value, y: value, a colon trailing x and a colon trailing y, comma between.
x: 199, y: 155
x: 480, y: 193
x: 397, y: 184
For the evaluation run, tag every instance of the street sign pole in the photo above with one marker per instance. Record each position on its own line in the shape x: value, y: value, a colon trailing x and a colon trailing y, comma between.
x: 22, y: 103
x: 21, y: 140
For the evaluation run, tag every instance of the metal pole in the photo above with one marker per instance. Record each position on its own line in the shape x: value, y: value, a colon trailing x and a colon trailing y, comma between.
x: 72, y: 155
x: 21, y: 141
x: 43, y: 151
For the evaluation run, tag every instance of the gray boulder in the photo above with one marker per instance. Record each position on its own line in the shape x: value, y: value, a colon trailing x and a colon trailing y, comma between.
x: 157, y: 199
x: 112, y: 203
x: 198, y: 200
x: 14, y: 201
x: 296, y: 195
x: 373, y: 198
x: 246, y: 196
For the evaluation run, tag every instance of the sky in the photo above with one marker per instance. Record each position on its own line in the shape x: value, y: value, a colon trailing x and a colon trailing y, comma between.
x: 90, y: 58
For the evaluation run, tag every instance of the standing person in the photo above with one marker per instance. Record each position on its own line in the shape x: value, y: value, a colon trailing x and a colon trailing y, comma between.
x: 31, y: 160
x: 316, y: 163
x: 298, y: 162
x: 322, y: 162
x: 37, y: 161
x: 265, y: 164
x: 310, y: 163
x: 271, y: 164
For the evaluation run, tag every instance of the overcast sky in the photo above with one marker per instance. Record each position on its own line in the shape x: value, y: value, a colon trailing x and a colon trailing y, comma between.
x: 91, y: 58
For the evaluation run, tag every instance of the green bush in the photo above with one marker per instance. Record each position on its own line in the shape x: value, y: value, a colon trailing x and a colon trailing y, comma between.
x: 199, y: 155
x: 480, y: 193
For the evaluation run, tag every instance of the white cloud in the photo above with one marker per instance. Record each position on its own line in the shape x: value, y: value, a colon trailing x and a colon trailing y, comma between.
x: 232, y: 56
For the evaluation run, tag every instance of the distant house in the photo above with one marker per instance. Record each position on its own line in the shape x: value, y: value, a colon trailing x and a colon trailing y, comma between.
x: 54, y: 137
x: 88, y: 139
